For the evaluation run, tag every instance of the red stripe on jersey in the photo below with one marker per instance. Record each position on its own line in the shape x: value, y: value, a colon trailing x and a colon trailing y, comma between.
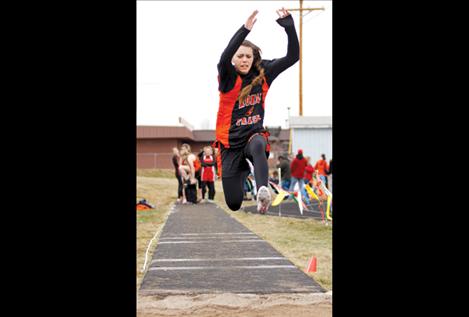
x: 225, y: 112
x: 265, y: 88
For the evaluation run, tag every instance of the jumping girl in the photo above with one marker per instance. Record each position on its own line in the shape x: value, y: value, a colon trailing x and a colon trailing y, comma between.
x: 244, y: 79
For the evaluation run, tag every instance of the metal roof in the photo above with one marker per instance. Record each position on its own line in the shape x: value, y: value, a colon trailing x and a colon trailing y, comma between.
x: 311, y: 122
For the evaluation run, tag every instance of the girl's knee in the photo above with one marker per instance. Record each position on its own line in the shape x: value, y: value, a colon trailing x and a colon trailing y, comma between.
x: 233, y: 201
x: 258, y: 144
x: 234, y: 205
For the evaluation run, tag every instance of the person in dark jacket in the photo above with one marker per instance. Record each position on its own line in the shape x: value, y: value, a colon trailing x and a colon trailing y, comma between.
x: 176, y: 160
x: 285, y: 175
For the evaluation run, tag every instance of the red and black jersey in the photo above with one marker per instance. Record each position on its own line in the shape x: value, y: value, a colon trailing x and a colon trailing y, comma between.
x: 237, y: 121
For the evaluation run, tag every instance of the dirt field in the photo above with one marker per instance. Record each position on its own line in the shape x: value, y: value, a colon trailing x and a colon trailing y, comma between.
x: 246, y: 305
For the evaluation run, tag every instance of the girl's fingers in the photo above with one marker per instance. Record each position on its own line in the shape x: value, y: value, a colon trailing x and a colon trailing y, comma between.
x: 282, y: 12
x: 253, y: 14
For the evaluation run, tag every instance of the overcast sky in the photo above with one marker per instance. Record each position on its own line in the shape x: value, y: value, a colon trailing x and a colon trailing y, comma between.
x: 179, y: 44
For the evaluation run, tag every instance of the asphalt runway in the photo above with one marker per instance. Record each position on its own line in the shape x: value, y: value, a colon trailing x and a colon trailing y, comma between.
x: 202, y: 249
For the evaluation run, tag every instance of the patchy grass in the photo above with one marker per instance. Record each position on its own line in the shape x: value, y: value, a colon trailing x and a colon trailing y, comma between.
x: 296, y: 239
x: 163, y: 173
x: 161, y: 192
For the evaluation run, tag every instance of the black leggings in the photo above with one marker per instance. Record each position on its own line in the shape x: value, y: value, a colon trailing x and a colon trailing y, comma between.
x: 179, y: 185
x: 211, y: 190
x: 233, y: 187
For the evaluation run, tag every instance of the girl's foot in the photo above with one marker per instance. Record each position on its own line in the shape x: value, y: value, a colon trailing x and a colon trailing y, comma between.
x: 263, y: 199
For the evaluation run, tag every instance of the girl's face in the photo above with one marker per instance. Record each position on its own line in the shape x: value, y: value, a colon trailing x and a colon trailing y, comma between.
x: 243, y: 59
x: 208, y: 151
x: 183, y: 151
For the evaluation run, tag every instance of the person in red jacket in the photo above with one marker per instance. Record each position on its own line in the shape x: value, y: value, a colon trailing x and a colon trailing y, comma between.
x: 322, y: 167
x: 297, y: 168
x: 208, y: 162
x: 309, y: 170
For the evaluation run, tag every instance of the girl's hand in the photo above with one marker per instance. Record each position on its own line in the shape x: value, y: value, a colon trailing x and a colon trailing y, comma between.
x: 282, y: 12
x: 251, y: 20
x: 285, y: 19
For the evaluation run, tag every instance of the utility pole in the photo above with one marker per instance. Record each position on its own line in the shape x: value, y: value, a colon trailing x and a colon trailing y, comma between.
x: 301, y: 9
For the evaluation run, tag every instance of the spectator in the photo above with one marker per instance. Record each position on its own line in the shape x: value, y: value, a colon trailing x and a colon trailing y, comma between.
x: 187, y: 169
x: 284, y: 165
x: 322, y: 168
x: 248, y: 187
x: 297, y: 168
x: 208, y: 173
x: 176, y: 159
x: 274, y: 178
x: 309, y: 170
x: 198, y: 174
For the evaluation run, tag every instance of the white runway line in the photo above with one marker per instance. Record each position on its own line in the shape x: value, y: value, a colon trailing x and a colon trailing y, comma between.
x: 207, y: 238
x: 219, y: 241
x: 209, y: 234
x: 224, y: 259
x: 169, y: 268
x: 157, y: 233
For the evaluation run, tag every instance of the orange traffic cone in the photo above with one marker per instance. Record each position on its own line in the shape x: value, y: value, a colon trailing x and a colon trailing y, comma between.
x: 312, y: 264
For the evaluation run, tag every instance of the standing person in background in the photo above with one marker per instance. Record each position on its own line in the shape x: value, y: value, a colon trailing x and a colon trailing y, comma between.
x: 309, y: 170
x: 187, y: 169
x: 208, y: 173
x: 198, y: 174
x: 285, y: 175
x: 297, y: 168
x: 329, y: 174
x: 176, y: 159
x: 322, y: 167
